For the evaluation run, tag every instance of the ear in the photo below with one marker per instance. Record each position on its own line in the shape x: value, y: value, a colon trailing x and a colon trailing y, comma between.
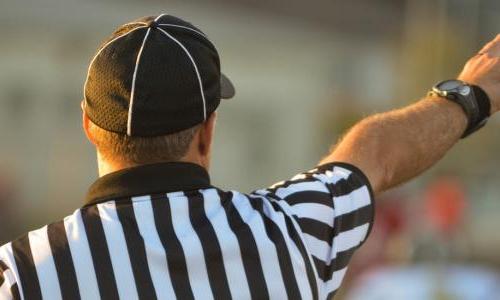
x: 206, y: 134
x: 86, y: 123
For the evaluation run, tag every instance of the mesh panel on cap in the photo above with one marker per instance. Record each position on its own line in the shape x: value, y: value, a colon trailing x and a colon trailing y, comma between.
x: 109, y: 82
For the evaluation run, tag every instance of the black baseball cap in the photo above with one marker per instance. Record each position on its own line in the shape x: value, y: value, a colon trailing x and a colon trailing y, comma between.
x: 154, y: 76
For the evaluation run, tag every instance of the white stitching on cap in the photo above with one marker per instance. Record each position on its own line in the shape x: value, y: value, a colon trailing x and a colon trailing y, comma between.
x: 185, y: 27
x: 97, y: 54
x: 159, y: 17
x: 132, y: 89
x: 195, y: 68
x: 194, y: 30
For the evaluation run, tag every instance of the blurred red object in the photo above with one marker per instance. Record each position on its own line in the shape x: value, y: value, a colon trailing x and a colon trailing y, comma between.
x: 445, y: 204
x: 392, y: 218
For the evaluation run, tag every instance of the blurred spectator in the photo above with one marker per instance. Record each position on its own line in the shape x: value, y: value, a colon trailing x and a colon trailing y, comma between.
x: 427, y: 282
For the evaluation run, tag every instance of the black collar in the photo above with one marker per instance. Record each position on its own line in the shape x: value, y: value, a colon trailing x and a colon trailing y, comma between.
x: 148, y: 179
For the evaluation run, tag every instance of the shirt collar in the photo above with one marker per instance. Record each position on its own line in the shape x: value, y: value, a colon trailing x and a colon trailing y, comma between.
x: 148, y: 179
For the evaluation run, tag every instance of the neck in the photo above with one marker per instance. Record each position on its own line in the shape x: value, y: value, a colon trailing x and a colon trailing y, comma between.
x: 105, y: 166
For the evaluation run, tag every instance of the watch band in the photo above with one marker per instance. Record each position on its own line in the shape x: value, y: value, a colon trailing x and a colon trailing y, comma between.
x: 483, y: 106
x: 472, y: 98
x: 483, y: 101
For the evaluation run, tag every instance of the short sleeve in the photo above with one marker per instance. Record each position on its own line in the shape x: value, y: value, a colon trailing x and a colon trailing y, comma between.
x: 8, y: 284
x: 333, y: 206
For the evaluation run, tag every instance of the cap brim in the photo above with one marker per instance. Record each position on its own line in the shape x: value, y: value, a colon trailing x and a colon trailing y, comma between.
x: 227, y: 90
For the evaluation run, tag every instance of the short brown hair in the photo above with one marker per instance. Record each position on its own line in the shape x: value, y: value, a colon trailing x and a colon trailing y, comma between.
x: 141, y: 150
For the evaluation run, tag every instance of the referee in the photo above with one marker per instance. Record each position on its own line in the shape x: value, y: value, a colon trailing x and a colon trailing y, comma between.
x: 153, y: 227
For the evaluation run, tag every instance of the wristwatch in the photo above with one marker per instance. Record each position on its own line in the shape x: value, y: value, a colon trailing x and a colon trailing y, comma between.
x: 473, y: 100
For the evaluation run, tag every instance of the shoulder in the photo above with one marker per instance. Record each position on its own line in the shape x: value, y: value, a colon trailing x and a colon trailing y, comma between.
x: 39, y: 245
x: 320, y: 184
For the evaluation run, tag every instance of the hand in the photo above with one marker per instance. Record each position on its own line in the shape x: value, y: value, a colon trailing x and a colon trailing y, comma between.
x: 483, y: 70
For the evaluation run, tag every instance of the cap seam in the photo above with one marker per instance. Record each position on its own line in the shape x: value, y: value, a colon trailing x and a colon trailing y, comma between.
x: 132, y: 89
x: 198, y: 75
x: 194, y: 30
x: 185, y: 27
x: 98, y: 53
x: 159, y: 17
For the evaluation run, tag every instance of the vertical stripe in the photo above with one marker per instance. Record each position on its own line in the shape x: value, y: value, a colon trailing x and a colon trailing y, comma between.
x: 14, y: 291
x: 157, y: 260
x: 9, y: 288
x: 228, y: 241
x: 191, y: 245
x: 175, y: 255
x: 63, y: 261
x: 6, y: 253
x: 275, y: 234
x: 293, y: 232
x: 118, y: 252
x: 81, y: 256
x: 3, y: 268
x: 307, y: 286
x: 26, y: 268
x: 267, y: 250
x: 136, y: 250
x: 44, y: 263
x: 100, y: 254
x: 248, y: 247
x: 211, y: 248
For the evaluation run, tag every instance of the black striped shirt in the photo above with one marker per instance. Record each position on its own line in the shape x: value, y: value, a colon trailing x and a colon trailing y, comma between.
x: 163, y: 232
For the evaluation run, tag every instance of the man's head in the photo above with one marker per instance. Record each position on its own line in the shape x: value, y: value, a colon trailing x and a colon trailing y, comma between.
x: 117, y: 151
x: 151, y: 93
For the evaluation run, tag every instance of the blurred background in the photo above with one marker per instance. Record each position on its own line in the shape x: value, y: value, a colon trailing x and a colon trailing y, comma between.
x: 305, y: 71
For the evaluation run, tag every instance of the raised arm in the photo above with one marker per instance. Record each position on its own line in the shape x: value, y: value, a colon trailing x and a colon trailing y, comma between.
x: 395, y: 146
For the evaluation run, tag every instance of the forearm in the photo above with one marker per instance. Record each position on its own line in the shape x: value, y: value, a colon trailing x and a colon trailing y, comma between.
x: 393, y: 147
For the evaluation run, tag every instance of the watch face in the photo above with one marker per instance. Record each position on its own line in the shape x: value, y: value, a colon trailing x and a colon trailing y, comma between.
x: 449, y: 85
x: 464, y: 90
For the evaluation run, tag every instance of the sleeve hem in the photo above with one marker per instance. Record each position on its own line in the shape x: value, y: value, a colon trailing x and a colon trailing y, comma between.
x: 365, y: 180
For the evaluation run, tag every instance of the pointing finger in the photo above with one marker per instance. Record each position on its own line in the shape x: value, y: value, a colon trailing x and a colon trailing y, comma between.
x: 492, y: 48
